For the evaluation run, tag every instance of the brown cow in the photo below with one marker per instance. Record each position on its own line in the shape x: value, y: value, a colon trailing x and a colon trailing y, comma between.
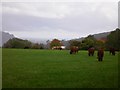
x: 74, y: 49
x: 112, y: 51
x: 100, y: 54
x: 91, y: 51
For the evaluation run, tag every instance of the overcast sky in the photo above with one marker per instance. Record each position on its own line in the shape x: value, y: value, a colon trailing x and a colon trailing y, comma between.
x: 62, y: 20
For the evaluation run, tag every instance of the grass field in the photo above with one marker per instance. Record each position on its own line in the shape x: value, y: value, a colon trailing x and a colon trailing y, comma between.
x: 0, y: 68
x: 57, y: 69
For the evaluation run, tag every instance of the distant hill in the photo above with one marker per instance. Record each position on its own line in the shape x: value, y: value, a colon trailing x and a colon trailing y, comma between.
x: 101, y: 35
x: 5, y: 37
x: 78, y: 39
x: 96, y: 36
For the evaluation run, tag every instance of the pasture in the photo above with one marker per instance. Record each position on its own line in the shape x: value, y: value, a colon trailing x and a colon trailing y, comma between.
x: 27, y: 68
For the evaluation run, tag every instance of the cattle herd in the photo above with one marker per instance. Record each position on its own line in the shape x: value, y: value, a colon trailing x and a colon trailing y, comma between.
x: 100, y: 52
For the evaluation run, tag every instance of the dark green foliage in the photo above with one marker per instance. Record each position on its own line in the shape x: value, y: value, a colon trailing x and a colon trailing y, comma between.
x: 91, y: 37
x: 17, y: 43
x: 113, y: 39
x: 100, y: 44
x: 41, y: 46
x: 88, y: 42
x: 37, y: 46
x: 75, y: 43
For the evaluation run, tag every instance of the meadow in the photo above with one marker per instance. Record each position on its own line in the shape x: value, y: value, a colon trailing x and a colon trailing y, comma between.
x: 29, y: 68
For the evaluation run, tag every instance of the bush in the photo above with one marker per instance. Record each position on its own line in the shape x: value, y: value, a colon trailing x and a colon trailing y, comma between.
x: 17, y: 43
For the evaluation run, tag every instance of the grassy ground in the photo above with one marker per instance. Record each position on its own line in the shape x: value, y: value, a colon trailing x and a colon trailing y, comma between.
x: 0, y: 68
x: 57, y: 69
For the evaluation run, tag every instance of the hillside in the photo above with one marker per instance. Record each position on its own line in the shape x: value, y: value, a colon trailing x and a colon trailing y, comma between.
x: 96, y: 36
x: 5, y: 37
x: 101, y: 35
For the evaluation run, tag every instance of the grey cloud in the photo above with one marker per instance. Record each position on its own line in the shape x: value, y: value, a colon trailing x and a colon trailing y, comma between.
x: 82, y: 21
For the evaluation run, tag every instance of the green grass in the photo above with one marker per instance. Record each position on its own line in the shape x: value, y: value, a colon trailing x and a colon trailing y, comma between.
x: 57, y: 69
x: 0, y: 68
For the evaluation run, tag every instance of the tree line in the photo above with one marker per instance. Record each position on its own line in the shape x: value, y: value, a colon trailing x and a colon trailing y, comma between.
x: 112, y: 40
x: 19, y: 43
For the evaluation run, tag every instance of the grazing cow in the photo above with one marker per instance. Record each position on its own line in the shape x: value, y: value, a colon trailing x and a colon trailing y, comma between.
x: 100, y: 54
x: 91, y: 51
x: 74, y: 49
x: 112, y: 51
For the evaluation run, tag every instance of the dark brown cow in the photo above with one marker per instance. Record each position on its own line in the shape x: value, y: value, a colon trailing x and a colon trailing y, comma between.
x: 91, y: 51
x: 74, y: 49
x: 112, y: 51
x: 100, y: 54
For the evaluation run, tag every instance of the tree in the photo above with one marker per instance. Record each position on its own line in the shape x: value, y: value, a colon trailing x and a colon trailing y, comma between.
x: 113, y: 39
x: 42, y: 46
x: 88, y: 42
x: 99, y: 44
x: 47, y: 44
x: 75, y: 43
x: 17, y: 43
x: 37, y: 46
x: 91, y: 37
